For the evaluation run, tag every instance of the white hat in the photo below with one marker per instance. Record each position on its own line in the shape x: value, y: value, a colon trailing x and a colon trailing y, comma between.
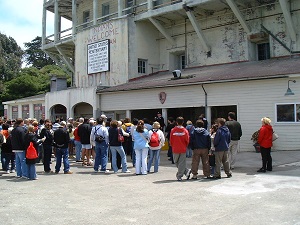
x: 103, y: 116
x: 62, y: 124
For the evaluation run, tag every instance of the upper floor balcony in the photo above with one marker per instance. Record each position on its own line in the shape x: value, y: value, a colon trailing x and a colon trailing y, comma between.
x: 86, y: 14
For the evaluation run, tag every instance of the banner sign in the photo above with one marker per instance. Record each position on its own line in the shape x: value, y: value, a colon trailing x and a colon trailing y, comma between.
x: 98, y: 57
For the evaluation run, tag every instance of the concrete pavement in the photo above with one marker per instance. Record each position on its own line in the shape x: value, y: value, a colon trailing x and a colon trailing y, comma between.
x: 86, y: 197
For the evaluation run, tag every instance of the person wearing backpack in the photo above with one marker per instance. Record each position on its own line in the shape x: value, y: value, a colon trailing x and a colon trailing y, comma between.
x: 31, y: 157
x: 99, y: 135
x: 157, y: 140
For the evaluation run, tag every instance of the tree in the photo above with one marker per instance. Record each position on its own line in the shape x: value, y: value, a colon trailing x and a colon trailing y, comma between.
x: 34, y: 56
x: 10, y: 58
x: 31, y: 81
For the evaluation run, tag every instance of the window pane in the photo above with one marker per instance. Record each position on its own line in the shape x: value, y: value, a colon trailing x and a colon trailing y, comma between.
x: 263, y: 51
x: 298, y: 112
x: 285, y: 113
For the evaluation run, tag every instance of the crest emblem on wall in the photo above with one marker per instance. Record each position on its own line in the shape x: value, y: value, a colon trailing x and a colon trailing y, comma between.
x: 162, y: 97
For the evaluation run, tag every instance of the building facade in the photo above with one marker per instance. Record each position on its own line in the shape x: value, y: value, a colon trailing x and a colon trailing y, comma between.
x: 122, y: 54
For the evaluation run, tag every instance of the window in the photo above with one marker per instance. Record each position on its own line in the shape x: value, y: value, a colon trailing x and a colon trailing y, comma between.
x: 129, y: 3
x: 105, y: 12
x: 182, y: 61
x: 157, y: 3
x: 288, y: 112
x: 86, y: 18
x: 142, y: 63
x: 263, y: 51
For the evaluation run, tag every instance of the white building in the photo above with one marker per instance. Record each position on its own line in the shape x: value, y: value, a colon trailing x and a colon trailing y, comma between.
x: 234, y: 55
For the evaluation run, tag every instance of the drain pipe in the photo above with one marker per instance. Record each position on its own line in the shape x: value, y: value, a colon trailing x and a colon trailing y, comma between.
x: 205, y: 101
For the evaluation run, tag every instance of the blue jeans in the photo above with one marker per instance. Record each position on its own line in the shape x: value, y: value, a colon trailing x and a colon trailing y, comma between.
x: 7, y: 158
x: 31, y: 171
x: 62, y: 153
x: 21, y: 166
x: 189, y: 152
x: 154, y: 154
x: 78, y: 147
x: 101, y: 150
x: 120, y: 150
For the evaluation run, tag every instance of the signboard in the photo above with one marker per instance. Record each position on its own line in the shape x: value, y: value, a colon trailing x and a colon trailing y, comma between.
x: 98, y: 57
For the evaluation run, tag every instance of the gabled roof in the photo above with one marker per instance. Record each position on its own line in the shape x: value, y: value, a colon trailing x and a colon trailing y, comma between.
x: 266, y: 69
x: 40, y: 97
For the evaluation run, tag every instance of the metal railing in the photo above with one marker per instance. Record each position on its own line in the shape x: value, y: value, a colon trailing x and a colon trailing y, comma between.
x: 132, y: 10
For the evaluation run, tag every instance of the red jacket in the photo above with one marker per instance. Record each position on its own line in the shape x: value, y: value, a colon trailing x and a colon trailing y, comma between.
x: 265, y: 136
x: 75, y: 133
x: 179, y: 139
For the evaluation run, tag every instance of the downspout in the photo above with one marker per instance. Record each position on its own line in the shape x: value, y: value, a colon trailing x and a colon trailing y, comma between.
x: 205, y: 100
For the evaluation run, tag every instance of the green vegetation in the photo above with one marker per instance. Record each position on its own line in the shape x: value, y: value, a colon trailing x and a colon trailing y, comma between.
x: 17, y: 82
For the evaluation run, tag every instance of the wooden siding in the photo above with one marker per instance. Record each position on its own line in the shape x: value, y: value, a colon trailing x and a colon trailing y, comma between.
x: 254, y: 100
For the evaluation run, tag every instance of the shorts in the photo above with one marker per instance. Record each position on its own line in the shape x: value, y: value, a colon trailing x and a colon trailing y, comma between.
x: 87, y: 146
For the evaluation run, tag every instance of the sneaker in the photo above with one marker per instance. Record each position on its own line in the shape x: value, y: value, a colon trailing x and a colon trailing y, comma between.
x: 127, y: 171
x: 68, y: 172
x: 194, y: 177
x: 18, y: 176
x: 261, y: 170
x: 7, y: 171
x: 56, y: 172
x: 179, y: 179
x: 209, y: 177
x: 104, y: 171
x: 12, y: 171
x: 188, y: 174
x: 229, y: 175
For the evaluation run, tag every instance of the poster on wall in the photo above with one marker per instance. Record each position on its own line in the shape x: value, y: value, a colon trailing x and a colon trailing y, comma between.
x: 98, y: 57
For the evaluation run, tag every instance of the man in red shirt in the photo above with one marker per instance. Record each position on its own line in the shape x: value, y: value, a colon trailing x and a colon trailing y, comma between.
x: 179, y: 140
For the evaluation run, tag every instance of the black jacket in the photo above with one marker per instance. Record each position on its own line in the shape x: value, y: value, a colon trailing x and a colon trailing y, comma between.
x: 6, y: 147
x: 61, y: 138
x: 31, y: 137
x: 49, y: 136
x: 84, y: 132
x: 113, y: 136
x: 18, y: 138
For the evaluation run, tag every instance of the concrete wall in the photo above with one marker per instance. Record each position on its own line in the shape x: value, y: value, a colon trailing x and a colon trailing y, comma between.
x: 71, y: 97
x: 117, y: 32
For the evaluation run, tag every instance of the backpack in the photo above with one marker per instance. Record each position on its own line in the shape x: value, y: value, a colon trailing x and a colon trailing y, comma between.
x: 31, y: 152
x: 98, y: 138
x: 154, y: 139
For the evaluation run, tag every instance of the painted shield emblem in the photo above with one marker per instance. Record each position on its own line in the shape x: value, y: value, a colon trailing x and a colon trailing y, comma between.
x: 162, y: 97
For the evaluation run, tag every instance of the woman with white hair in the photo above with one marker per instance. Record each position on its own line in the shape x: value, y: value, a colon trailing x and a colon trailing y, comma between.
x: 157, y: 140
x: 265, y: 142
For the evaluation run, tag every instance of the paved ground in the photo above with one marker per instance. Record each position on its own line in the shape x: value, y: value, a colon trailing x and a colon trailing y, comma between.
x: 93, y: 198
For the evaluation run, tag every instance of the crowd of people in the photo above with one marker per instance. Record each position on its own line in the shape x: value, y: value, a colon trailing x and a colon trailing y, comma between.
x: 95, y: 142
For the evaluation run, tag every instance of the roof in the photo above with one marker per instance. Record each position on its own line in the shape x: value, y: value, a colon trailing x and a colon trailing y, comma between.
x: 273, y: 68
x: 32, y: 98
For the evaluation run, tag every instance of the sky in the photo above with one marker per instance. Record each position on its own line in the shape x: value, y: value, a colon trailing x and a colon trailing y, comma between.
x: 22, y: 20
